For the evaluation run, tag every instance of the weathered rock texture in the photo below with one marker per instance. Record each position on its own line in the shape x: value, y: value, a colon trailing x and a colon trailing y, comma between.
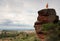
x: 45, y: 16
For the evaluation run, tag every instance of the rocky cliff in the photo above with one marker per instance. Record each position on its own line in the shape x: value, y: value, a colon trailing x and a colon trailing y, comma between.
x: 45, y: 16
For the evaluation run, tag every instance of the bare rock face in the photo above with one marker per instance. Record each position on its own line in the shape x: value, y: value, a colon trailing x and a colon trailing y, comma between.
x: 45, y: 16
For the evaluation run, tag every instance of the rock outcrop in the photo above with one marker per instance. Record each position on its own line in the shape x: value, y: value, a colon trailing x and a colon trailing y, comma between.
x: 45, y: 16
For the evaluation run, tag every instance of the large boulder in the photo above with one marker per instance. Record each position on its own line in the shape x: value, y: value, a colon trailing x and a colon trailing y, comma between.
x: 45, y: 16
x: 47, y: 12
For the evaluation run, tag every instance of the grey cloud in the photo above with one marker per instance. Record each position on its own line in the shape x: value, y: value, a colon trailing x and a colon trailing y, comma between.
x: 14, y: 3
x: 8, y: 22
x: 3, y: 3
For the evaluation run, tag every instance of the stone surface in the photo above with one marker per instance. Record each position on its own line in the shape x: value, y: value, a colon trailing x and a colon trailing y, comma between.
x: 45, y: 16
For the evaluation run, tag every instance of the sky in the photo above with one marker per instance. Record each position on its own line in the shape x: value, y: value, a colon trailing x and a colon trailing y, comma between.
x: 21, y: 14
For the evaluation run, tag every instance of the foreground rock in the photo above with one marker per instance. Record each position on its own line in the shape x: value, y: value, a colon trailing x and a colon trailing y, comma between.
x: 45, y: 16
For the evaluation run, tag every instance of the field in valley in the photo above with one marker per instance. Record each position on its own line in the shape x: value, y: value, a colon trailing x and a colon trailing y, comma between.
x: 6, y: 35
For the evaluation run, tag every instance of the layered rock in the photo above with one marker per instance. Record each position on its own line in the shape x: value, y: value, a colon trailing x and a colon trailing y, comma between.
x: 45, y: 16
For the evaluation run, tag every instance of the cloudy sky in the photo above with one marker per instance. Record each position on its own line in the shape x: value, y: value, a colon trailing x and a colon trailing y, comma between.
x: 21, y: 14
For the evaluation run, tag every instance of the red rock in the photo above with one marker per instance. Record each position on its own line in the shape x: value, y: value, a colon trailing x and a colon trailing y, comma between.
x: 45, y: 16
x: 46, y: 12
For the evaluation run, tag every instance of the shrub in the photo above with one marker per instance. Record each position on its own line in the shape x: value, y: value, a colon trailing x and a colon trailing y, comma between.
x: 52, y: 30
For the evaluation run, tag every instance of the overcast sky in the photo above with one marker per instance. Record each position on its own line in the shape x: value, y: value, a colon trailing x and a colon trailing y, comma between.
x: 21, y: 14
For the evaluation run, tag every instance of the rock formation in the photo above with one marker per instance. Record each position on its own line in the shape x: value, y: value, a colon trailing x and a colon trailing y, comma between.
x: 45, y: 16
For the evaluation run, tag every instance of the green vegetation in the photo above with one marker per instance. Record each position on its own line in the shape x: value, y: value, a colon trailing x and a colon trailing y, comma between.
x: 52, y: 31
x: 5, y: 34
x: 18, y: 36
